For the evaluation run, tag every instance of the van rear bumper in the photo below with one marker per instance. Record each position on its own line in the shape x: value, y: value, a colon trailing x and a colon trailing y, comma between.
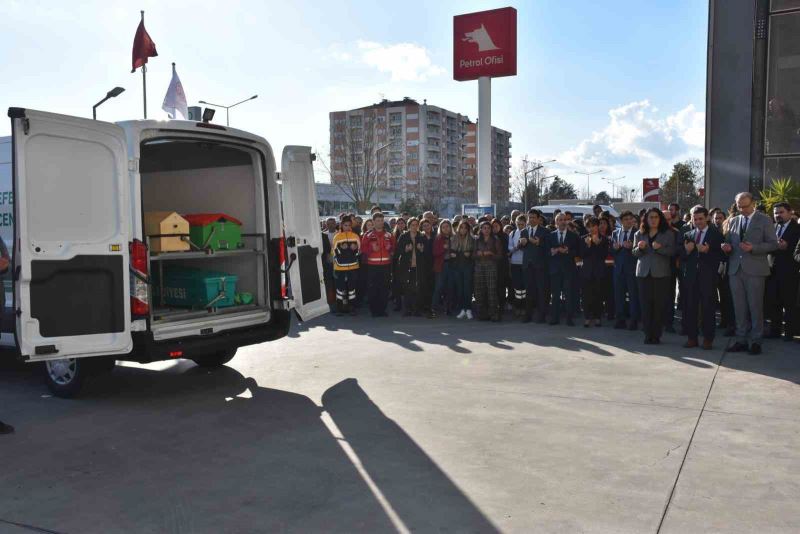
x: 146, y: 349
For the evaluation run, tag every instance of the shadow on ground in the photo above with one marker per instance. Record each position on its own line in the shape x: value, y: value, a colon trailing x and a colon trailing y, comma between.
x: 188, y: 450
x: 779, y: 360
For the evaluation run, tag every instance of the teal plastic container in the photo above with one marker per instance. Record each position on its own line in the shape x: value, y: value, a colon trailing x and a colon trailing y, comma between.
x: 197, y: 288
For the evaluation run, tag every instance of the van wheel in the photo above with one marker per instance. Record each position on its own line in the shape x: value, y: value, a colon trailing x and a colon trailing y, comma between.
x: 217, y: 359
x: 65, y: 377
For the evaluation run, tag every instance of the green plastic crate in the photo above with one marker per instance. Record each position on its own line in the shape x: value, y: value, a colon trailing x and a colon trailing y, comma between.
x: 215, y: 231
x: 196, y: 288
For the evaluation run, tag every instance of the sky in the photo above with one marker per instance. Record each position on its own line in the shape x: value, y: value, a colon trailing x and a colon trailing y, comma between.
x: 611, y: 85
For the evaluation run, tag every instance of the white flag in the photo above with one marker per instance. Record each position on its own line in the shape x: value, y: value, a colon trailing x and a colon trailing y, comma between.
x: 175, y: 101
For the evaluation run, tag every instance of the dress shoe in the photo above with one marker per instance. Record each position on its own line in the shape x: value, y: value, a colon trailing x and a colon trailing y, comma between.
x: 619, y: 325
x: 570, y: 322
x: 692, y: 343
x: 648, y: 341
x: 755, y: 349
x: 788, y: 337
x: 526, y: 319
x: 773, y: 334
x: 708, y: 344
x: 553, y: 323
x: 669, y: 329
x: 738, y: 347
x: 656, y: 341
x: 6, y: 429
x: 633, y: 326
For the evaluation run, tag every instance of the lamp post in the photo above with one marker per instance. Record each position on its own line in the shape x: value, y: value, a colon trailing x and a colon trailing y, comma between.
x: 588, y: 174
x: 111, y: 94
x: 228, y: 108
x: 525, y: 174
x: 613, y: 182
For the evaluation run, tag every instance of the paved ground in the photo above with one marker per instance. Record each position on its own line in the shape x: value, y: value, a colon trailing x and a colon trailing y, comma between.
x: 369, y: 425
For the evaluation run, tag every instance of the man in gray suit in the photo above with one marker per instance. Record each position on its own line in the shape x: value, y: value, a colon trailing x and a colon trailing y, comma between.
x: 750, y: 238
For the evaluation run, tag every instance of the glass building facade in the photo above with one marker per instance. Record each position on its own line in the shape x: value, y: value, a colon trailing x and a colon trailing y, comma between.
x: 753, y: 96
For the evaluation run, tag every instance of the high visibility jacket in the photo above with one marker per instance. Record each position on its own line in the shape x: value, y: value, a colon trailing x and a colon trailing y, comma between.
x: 377, y: 247
x: 344, y: 257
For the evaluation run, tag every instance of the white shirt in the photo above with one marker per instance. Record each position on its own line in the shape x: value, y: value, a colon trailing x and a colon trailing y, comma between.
x: 513, y: 241
x: 702, y: 235
x: 780, y: 230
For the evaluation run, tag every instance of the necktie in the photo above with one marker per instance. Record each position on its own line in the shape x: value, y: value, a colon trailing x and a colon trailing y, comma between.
x: 781, y: 229
x: 743, y: 228
x: 560, y: 239
x: 626, y: 235
x: 699, y: 236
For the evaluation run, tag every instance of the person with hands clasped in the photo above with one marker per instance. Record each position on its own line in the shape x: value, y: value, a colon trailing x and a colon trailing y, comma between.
x: 750, y: 239
x: 783, y: 282
x: 488, y: 251
x: 563, y: 246
x: 535, y: 261
x: 654, y: 246
x: 624, y: 280
x: 701, y: 255
x: 411, y: 264
x: 517, y: 241
x: 345, y: 247
x: 462, y: 250
x: 593, y: 251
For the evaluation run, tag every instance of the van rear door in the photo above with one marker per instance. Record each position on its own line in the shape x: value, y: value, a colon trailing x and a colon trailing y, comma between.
x: 303, y: 232
x: 71, y: 202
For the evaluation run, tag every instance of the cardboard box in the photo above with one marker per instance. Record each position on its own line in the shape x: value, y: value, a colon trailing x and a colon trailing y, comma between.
x: 166, y: 223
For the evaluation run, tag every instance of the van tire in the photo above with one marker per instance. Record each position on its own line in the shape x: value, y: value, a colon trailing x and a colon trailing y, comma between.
x: 217, y: 359
x: 65, y: 377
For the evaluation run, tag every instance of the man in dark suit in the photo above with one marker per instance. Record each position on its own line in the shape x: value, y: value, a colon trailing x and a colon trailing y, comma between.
x: 701, y: 255
x: 625, y: 273
x: 782, y: 284
x: 563, y: 247
x: 535, y: 266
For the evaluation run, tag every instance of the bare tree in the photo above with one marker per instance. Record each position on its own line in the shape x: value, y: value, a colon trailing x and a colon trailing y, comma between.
x: 630, y: 194
x: 358, y: 165
x: 536, y: 182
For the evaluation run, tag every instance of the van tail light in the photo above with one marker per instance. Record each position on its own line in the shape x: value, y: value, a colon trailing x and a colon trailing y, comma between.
x: 140, y: 299
x: 282, y: 263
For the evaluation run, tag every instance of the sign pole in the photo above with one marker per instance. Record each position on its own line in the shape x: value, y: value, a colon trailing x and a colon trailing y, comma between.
x: 484, y: 141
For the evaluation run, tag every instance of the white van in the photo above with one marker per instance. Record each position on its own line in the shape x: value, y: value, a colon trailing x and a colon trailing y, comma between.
x: 83, y: 280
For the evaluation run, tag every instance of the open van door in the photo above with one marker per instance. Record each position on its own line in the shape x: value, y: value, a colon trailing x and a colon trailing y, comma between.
x: 303, y: 233
x: 71, y: 206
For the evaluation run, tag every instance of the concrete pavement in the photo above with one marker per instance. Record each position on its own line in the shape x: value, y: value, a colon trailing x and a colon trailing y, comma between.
x: 369, y: 425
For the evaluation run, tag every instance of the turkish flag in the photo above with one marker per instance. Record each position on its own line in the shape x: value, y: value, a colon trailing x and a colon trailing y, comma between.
x: 143, y: 47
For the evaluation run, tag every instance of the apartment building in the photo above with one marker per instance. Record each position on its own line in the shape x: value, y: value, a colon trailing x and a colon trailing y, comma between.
x: 418, y: 151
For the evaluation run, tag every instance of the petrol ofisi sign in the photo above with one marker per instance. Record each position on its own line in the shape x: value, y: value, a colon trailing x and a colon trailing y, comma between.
x: 485, y: 44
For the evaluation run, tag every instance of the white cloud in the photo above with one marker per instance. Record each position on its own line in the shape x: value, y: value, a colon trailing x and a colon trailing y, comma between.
x: 406, y: 62
x: 637, y: 135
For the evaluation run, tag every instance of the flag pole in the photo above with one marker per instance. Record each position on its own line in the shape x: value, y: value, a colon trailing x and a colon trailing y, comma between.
x: 144, y: 79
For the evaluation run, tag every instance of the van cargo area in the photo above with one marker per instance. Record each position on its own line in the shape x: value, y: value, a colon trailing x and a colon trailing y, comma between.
x: 219, y: 184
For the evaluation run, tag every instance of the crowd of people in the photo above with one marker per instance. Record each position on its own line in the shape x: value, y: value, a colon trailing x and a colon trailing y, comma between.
x: 640, y: 271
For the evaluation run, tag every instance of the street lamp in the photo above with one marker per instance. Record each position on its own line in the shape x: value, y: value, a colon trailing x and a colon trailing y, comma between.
x: 525, y: 176
x: 613, y: 182
x: 111, y: 94
x: 228, y: 108
x: 588, y: 174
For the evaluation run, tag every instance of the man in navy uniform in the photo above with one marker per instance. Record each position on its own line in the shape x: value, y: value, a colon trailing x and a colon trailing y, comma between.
x: 701, y: 255
x: 563, y: 247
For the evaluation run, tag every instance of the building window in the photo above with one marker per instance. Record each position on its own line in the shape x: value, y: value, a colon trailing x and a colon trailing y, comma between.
x: 779, y: 5
x: 783, y: 85
x: 775, y: 168
x: 395, y: 131
x: 395, y: 118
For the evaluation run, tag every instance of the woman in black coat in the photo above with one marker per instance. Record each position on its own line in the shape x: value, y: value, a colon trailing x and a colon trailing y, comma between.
x: 593, y: 251
x: 412, y: 264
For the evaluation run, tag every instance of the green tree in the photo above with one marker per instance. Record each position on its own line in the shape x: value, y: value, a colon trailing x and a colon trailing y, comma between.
x: 559, y: 189
x: 602, y: 198
x: 409, y: 205
x: 681, y: 186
